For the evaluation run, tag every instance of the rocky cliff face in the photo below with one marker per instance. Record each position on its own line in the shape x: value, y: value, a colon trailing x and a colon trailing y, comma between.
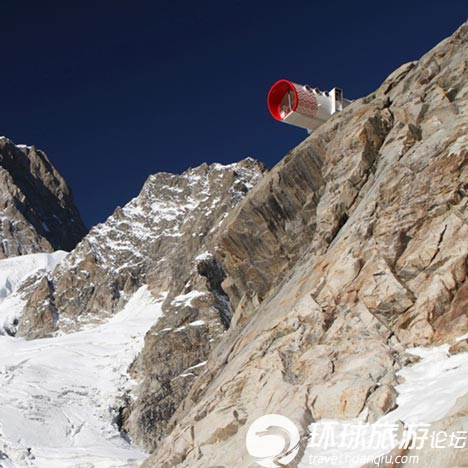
x: 152, y: 241
x: 349, y: 251
x: 297, y: 291
x: 37, y: 212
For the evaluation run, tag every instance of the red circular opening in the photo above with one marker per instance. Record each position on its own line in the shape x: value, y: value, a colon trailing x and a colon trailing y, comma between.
x: 276, y: 96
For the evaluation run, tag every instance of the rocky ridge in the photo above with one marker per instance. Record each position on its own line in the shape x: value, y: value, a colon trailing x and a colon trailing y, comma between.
x: 152, y: 240
x: 350, y: 250
x: 37, y: 211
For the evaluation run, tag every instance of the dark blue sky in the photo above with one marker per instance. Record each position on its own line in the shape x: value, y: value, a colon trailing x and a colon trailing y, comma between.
x: 116, y: 90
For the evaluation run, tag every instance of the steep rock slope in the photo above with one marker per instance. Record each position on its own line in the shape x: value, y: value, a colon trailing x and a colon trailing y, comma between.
x: 350, y: 250
x: 37, y: 212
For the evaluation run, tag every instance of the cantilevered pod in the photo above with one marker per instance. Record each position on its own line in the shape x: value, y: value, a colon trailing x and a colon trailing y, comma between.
x: 302, y: 105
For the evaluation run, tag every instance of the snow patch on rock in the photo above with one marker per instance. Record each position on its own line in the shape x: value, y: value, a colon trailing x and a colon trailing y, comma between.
x: 430, y: 389
x: 16, y: 269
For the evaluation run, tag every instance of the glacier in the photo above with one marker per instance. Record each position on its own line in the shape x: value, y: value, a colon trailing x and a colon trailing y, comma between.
x: 61, y: 395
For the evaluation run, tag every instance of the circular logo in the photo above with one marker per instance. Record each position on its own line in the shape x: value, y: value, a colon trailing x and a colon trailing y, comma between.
x: 273, y: 440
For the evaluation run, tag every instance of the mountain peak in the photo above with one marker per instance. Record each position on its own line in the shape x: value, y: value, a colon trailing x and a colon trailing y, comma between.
x: 37, y: 208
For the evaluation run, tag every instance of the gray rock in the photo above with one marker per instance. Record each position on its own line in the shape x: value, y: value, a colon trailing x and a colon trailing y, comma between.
x: 37, y: 212
x: 348, y: 251
x: 153, y: 240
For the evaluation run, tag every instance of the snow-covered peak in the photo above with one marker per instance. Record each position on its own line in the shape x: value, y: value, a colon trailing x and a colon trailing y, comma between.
x: 161, y: 229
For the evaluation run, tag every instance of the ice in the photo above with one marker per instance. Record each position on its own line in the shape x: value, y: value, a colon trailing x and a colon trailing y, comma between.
x: 61, y: 396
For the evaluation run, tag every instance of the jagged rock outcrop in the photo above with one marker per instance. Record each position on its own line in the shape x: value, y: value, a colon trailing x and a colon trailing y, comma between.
x: 176, y: 349
x: 350, y: 250
x: 152, y: 240
x: 37, y: 212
